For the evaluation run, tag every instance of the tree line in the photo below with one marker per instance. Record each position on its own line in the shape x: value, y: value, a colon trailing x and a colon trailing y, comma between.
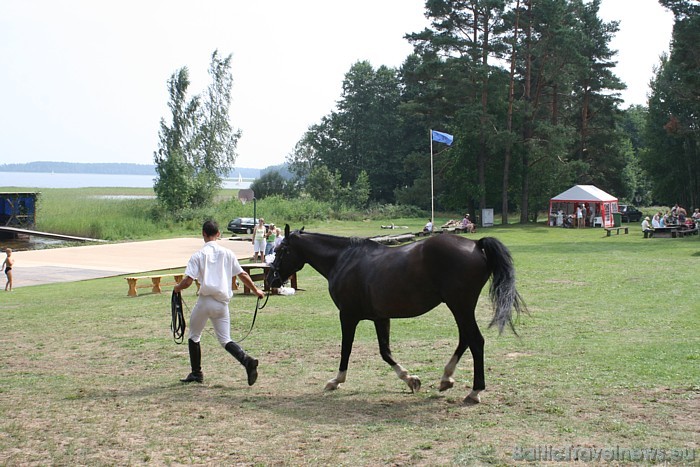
x: 527, y: 89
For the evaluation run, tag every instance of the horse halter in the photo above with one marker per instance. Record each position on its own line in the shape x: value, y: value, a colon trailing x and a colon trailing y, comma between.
x: 275, y: 276
x: 283, y: 251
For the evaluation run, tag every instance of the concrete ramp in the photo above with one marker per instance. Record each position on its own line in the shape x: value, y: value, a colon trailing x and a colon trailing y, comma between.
x: 95, y: 261
x: 37, y: 233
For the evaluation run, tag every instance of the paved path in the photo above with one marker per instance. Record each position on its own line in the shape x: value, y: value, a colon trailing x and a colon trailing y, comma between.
x: 94, y: 261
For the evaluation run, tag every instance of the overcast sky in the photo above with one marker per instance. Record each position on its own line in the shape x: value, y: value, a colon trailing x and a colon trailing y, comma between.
x: 86, y: 81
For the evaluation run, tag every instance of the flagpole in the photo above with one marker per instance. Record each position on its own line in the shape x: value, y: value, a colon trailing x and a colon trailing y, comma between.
x: 432, y: 203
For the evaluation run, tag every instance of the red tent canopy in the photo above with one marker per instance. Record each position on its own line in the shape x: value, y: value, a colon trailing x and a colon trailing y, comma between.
x: 599, y: 205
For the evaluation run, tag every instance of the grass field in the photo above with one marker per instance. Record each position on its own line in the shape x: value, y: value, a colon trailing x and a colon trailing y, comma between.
x: 606, y: 366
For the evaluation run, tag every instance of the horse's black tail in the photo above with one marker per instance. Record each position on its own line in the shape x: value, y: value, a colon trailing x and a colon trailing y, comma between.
x: 503, y: 293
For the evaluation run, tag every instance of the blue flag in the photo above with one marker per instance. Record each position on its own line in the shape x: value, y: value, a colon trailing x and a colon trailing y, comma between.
x: 442, y: 137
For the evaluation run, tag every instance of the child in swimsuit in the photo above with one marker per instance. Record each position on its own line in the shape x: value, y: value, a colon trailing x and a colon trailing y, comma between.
x: 7, y: 264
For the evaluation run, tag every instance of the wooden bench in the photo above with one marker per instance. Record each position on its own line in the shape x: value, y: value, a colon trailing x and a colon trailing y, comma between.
x: 394, y: 239
x: 665, y: 232
x: 609, y: 230
x: 684, y: 232
x: 155, y: 282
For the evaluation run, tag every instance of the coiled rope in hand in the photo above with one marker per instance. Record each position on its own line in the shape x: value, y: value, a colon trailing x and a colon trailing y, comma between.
x: 177, y: 325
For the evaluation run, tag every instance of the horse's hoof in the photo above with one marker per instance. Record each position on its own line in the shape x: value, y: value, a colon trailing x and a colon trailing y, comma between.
x: 472, y: 399
x: 414, y: 384
x: 331, y: 386
x: 446, y: 384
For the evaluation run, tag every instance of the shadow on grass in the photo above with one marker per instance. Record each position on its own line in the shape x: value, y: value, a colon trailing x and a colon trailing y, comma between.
x: 340, y: 407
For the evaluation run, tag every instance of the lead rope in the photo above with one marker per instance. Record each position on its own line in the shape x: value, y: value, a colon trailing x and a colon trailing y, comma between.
x: 255, y: 315
x: 177, y: 324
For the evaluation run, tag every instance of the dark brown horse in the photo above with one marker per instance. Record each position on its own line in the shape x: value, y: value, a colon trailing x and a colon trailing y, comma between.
x: 370, y: 281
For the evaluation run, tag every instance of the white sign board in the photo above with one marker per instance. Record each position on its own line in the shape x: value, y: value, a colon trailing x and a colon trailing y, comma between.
x: 487, y: 217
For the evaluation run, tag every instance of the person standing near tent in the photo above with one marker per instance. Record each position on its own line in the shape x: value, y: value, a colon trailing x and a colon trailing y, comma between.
x: 579, y: 216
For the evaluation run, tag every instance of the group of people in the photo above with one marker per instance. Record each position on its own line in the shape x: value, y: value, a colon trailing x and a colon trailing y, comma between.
x: 265, y: 240
x: 677, y: 216
x: 582, y: 215
x: 465, y: 224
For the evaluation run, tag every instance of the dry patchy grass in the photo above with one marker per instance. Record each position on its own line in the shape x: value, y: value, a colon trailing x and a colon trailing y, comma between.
x: 90, y: 377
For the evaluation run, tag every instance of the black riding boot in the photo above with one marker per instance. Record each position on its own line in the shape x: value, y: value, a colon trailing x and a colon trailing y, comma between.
x: 195, y: 362
x: 250, y: 363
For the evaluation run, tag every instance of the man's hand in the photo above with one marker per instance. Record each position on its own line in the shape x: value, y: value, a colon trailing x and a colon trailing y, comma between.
x: 245, y: 278
x: 184, y: 283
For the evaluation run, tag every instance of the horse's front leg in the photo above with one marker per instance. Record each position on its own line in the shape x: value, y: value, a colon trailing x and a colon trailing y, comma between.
x: 383, y: 328
x: 347, y: 327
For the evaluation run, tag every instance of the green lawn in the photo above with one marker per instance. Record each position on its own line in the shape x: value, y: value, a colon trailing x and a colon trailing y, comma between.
x: 608, y: 358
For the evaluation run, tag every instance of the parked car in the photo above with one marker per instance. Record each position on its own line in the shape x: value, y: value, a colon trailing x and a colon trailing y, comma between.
x: 243, y: 225
x: 629, y: 213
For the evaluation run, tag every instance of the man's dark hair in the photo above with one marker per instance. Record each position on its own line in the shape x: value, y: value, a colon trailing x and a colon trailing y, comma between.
x: 210, y: 228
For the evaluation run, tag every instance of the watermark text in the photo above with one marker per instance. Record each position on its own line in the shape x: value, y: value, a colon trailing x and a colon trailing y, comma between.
x: 548, y: 453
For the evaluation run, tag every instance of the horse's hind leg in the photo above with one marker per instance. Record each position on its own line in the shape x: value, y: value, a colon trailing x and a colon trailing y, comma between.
x: 469, y: 336
x: 476, y: 345
x: 447, y: 381
x: 383, y: 328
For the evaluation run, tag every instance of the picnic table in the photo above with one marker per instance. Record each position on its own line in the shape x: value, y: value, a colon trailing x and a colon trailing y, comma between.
x: 674, y: 231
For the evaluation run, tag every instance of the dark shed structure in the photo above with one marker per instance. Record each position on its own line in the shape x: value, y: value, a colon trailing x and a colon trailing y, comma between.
x: 18, y: 209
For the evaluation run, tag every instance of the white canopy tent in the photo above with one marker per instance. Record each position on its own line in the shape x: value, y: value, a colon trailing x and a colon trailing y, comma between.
x: 599, y: 205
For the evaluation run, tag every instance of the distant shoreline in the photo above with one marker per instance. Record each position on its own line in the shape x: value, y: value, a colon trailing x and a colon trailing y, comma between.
x: 41, y: 180
x: 105, y: 168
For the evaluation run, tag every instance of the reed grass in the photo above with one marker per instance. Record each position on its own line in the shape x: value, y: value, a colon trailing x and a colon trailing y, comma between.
x: 118, y: 214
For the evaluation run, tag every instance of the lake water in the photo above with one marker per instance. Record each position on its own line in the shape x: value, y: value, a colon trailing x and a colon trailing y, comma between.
x: 38, y: 180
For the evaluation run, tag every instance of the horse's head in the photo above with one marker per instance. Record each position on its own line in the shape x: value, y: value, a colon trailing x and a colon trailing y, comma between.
x: 288, y: 260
